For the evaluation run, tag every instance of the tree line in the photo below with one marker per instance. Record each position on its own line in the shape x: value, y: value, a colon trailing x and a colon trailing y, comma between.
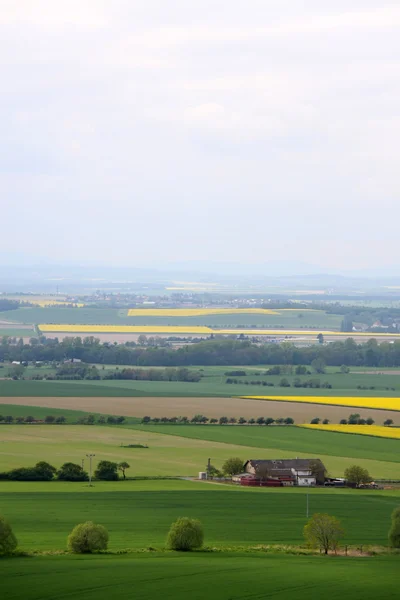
x: 210, y: 352
x: 80, y: 371
x: 203, y: 420
x: 43, y: 471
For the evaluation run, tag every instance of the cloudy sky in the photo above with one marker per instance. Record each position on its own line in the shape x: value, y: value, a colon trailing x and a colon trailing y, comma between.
x: 143, y: 132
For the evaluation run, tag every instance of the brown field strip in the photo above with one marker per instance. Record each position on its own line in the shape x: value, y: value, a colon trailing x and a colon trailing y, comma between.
x: 211, y: 407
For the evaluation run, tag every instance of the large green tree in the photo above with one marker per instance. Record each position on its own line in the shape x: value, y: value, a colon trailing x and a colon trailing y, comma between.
x: 324, y: 532
x: 72, y: 472
x: 106, y: 470
x: 357, y: 475
x: 232, y: 466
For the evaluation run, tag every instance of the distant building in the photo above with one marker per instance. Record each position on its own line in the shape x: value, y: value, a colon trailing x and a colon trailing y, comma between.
x: 290, y: 471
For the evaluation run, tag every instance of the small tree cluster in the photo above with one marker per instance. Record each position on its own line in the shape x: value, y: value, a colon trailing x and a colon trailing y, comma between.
x: 101, y: 420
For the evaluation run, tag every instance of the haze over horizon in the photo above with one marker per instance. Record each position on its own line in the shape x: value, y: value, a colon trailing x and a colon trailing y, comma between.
x: 214, y: 132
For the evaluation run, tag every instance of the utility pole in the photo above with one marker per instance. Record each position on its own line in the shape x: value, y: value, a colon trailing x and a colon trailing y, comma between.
x: 307, y: 511
x: 208, y: 468
x: 83, y: 462
x: 90, y: 456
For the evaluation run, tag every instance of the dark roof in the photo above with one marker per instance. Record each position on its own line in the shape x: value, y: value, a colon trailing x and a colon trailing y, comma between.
x: 299, y: 464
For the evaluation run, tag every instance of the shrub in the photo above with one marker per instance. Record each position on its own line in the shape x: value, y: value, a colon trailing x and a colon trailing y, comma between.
x: 185, y: 535
x: 72, y: 472
x: 394, y: 532
x: 106, y: 470
x: 8, y: 541
x: 87, y: 537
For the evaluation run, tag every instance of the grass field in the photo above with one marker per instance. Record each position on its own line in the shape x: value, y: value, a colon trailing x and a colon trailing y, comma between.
x: 198, y: 576
x: 86, y: 315
x: 18, y: 333
x: 184, y: 450
x: 335, y: 448
x: 371, y: 430
x: 38, y: 412
x: 138, y: 514
x: 197, y: 312
x: 213, y: 383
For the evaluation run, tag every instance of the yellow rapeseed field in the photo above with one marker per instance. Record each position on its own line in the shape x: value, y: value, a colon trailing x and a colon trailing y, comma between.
x: 47, y: 302
x: 351, y: 401
x: 196, y: 312
x: 375, y: 430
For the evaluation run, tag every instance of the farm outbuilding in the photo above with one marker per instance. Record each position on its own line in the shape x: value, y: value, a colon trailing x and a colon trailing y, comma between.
x: 294, y: 471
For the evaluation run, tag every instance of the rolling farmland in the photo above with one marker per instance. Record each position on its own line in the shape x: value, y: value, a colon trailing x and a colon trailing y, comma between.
x: 138, y: 513
x: 183, y: 450
x: 198, y: 576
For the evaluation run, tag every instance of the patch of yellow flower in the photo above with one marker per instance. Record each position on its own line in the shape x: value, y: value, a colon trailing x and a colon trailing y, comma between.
x: 375, y: 430
x: 351, y: 401
x: 196, y: 312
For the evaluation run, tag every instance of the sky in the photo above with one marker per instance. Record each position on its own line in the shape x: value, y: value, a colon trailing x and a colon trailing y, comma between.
x: 144, y: 133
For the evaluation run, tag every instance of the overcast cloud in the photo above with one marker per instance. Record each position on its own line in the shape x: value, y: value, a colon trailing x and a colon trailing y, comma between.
x: 145, y: 132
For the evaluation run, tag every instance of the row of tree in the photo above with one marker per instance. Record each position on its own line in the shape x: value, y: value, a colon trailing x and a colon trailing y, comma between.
x: 354, y: 419
x: 44, y: 471
x: 210, y: 352
x: 52, y: 420
x: 201, y: 419
x: 284, y: 382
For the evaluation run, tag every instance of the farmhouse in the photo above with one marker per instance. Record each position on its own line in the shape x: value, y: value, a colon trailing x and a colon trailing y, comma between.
x: 289, y: 471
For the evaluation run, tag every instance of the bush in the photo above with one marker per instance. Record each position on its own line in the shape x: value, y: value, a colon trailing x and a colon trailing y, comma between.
x: 185, y: 535
x: 8, y: 541
x: 87, y: 537
x: 107, y: 471
x: 72, y: 472
x: 394, y: 532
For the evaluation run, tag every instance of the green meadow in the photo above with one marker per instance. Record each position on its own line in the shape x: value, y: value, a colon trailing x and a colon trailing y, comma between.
x: 184, y: 450
x: 213, y: 383
x: 138, y: 514
x: 197, y: 576
x: 289, y: 438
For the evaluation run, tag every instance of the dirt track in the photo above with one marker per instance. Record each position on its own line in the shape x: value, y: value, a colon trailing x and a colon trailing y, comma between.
x: 211, y: 407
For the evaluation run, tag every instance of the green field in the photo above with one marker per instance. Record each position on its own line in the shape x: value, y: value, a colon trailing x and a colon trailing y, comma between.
x: 213, y: 383
x: 290, y: 439
x: 18, y: 333
x: 108, y: 316
x: 138, y: 514
x: 177, y: 455
x: 199, y: 576
x: 39, y: 412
